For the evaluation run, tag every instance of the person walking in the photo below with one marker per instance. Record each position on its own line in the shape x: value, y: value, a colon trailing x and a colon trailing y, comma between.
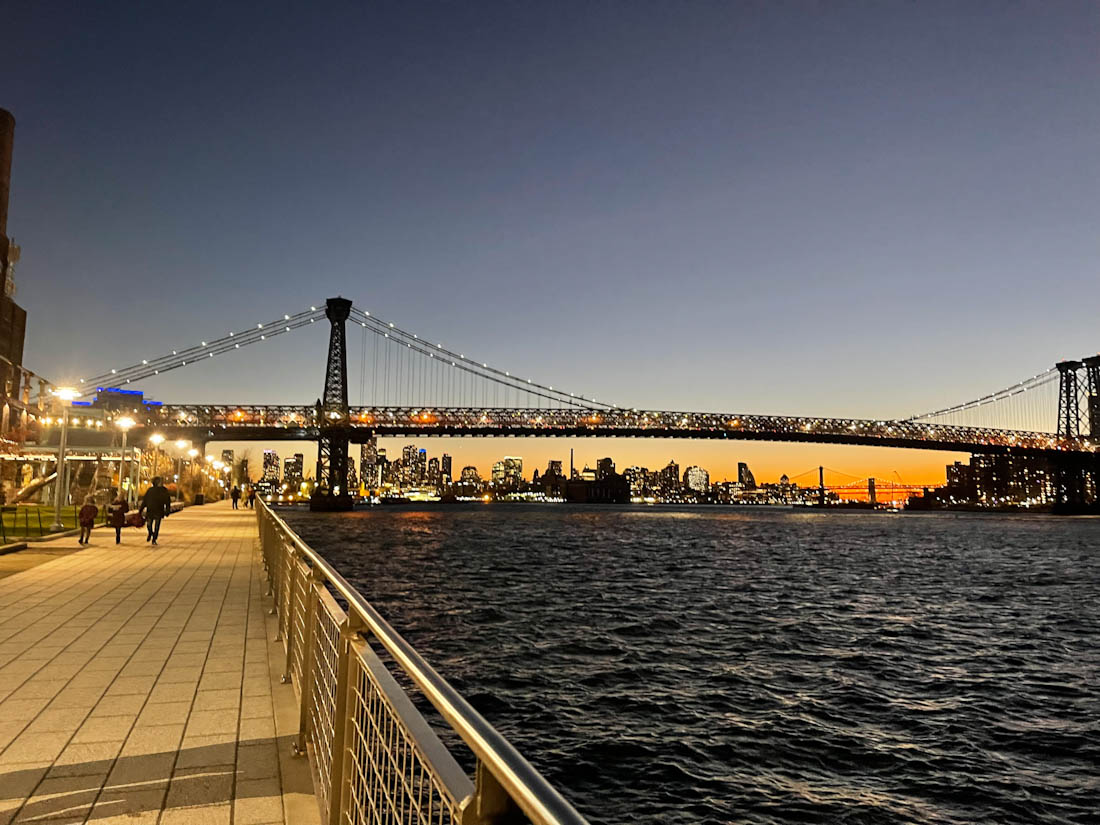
x: 235, y: 494
x: 156, y: 504
x: 252, y: 497
x: 86, y: 517
x: 116, y: 515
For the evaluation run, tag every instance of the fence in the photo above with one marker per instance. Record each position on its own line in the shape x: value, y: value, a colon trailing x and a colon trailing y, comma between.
x: 375, y: 759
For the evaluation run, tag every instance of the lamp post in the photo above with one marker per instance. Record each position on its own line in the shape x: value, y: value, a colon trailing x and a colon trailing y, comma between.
x: 125, y: 424
x: 156, y: 439
x: 66, y: 395
x: 181, y: 445
x: 191, y: 468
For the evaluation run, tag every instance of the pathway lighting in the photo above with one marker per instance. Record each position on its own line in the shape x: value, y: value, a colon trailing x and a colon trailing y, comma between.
x: 124, y: 424
x: 65, y: 395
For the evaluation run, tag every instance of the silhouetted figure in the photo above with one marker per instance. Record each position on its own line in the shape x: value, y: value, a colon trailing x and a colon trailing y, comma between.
x: 116, y: 515
x: 235, y: 494
x: 252, y: 497
x: 86, y: 517
x: 155, y: 505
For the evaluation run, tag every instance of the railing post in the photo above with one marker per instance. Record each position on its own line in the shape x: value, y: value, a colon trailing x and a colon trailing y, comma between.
x: 342, y: 719
x: 292, y: 586
x: 305, y: 701
x: 490, y: 804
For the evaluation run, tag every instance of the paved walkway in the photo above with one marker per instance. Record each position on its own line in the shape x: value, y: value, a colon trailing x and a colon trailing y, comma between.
x: 139, y: 685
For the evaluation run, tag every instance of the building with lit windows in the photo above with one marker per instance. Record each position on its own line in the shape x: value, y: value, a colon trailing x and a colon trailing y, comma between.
x: 271, y: 467
x: 697, y: 479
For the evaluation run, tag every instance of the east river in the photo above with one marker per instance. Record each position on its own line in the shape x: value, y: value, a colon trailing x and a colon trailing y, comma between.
x: 714, y: 665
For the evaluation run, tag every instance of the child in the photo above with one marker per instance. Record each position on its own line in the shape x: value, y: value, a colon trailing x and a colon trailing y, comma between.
x: 86, y: 517
x: 116, y: 510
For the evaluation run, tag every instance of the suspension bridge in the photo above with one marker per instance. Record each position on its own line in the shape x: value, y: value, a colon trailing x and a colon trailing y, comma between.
x: 421, y: 388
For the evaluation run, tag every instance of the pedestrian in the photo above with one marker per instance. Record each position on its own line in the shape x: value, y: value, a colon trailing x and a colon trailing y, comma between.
x: 252, y: 497
x: 235, y: 494
x: 156, y: 504
x: 86, y: 517
x: 116, y: 513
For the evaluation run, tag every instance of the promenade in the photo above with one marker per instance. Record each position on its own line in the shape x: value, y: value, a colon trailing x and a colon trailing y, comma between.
x: 140, y: 685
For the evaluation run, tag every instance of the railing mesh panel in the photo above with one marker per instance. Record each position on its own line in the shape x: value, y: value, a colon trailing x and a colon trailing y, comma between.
x: 300, y: 592
x: 390, y: 782
x: 322, y: 725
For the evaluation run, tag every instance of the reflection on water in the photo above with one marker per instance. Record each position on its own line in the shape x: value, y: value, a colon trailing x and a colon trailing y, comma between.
x: 763, y: 666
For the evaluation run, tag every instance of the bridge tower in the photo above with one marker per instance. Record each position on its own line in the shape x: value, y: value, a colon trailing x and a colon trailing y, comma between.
x: 332, y: 491
x: 1075, y: 474
x: 1092, y: 395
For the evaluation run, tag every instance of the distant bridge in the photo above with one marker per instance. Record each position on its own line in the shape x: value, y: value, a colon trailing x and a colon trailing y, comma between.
x: 425, y: 389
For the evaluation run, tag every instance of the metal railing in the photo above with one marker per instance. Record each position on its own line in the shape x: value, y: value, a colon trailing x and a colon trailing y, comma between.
x: 375, y: 759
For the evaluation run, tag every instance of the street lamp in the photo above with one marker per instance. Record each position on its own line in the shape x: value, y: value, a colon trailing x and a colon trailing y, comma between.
x: 65, y: 395
x: 156, y: 439
x: 125, y: 424
x: 180, y: 445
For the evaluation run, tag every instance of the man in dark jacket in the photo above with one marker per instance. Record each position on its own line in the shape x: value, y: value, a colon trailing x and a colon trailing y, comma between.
x: 155, y: 505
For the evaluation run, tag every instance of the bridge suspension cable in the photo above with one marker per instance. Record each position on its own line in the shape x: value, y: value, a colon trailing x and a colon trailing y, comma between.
x: 416, y: 372
x: 201, y: 352
x: 1031, y: 404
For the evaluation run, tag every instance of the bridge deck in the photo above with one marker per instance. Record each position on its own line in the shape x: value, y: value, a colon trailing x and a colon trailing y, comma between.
x: 139, y: 685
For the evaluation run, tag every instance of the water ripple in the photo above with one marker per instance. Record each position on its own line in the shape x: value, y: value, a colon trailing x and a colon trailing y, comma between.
x: 707, y: 666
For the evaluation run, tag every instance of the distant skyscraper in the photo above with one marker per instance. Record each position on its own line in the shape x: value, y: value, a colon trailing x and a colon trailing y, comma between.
x: 605, y: 468
x: 697, y: 479
x: 368, y: 463
x: 670, y: 478
x: 513, y: 471
x: 433, y: 471
x: 469, y: 475
x: 445, y: 469
x: 553, y: 469
x: 244, y: 476
x: 292, y: 470
x: 745, y: 477
x: 353, y: 479
x: 498, y: 475
x: 271, y: 467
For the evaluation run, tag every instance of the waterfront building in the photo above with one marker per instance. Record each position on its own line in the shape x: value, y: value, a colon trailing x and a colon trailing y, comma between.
x: 697, y: 479
x: 469, y: 475
x: 637, y: 478
x: 271, y: 467
x: 670, y: 479
x: 513, y: 471
x: 605, y: 467
x: 433, y: 476
x: 445, y: 469
x: 745, y: 477
x: 292, y: 470
x: 497, y: 475
x: 353, y: 478
x: 368, y: 463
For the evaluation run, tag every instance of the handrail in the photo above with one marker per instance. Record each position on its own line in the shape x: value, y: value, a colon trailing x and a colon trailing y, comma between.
x: 526, y: 787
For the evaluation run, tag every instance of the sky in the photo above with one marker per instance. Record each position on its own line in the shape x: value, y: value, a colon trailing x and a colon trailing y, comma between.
x: 850, y: 209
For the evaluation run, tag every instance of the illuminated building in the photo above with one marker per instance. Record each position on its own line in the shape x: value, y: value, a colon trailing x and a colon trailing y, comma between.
x: 353, y: 479
x: 271, y: 467
x: 445, y: 469
x: 745, y: 477
x: 292, y: 470
x: 469, y: 475
x: 697, y: 479
x: 605, y: 467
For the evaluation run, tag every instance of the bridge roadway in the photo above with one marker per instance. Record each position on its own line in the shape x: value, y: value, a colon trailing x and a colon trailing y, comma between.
x: 140, y: 685
x: 205, y: 422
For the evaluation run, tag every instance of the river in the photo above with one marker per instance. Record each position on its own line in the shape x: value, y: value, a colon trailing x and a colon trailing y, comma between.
x: 758, y: 665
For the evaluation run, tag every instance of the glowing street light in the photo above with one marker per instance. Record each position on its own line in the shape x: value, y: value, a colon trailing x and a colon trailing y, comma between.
x: 65, y: 395
x: 156, y: 439
x: 125, y: 424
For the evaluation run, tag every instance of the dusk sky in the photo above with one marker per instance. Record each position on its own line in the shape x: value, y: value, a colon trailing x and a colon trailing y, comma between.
x: 858, y: 209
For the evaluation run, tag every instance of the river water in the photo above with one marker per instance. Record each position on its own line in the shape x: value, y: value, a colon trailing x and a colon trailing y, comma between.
x: 759, y: 665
